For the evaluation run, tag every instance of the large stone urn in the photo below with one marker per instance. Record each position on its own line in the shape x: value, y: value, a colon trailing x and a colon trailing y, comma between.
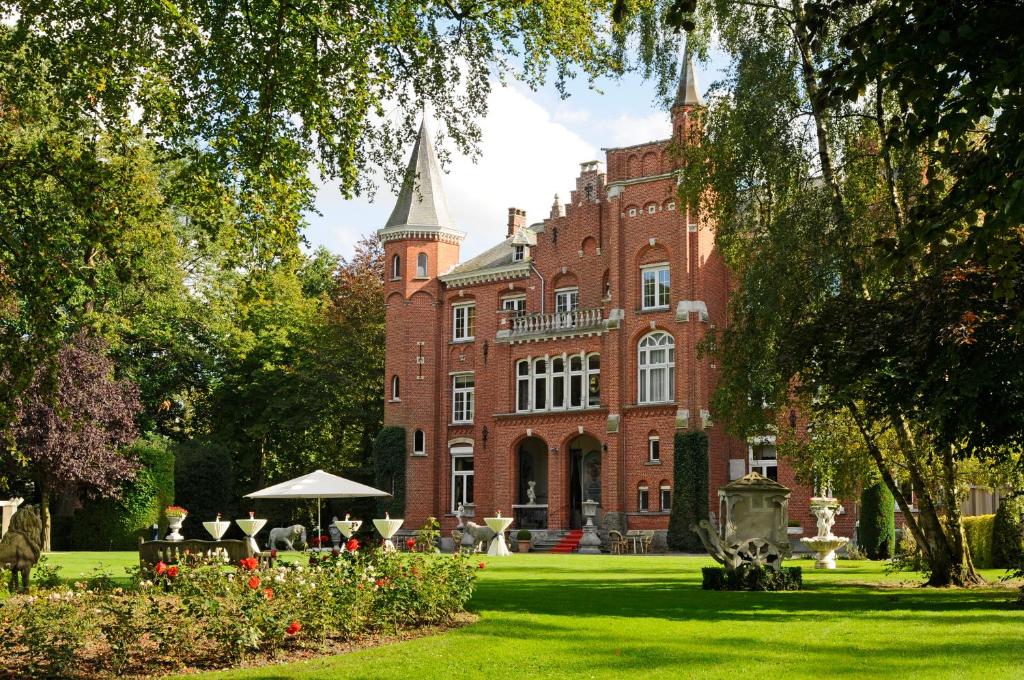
x: 590, y: 542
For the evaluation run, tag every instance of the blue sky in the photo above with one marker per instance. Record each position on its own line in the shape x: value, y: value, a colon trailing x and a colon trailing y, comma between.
x: 532, y: 145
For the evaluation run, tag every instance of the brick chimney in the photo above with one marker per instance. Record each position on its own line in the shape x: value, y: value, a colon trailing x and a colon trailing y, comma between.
x: 516, y: 220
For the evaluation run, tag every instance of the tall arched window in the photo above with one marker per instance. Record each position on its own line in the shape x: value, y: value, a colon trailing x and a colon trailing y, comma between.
x: 419, y: 443
x: 396, y: 267
x: 656, y: 364
x: 396, y: 385
x: 421, y: 266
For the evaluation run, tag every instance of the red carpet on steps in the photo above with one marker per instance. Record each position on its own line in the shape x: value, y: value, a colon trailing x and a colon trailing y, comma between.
x: 569, y: 542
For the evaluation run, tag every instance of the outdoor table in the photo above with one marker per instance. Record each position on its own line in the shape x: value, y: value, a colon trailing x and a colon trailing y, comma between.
x: 637, y: 539
x: 498, y: 525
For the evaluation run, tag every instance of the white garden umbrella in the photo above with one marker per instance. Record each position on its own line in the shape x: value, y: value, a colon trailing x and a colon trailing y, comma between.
x: 318, y: 485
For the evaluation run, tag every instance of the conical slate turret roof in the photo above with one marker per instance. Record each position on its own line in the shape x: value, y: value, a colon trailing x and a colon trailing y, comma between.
x: 687, y: 94
x: 422, y: 202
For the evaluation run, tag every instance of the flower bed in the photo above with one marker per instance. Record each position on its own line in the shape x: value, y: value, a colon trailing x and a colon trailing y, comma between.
x: 202, y: 613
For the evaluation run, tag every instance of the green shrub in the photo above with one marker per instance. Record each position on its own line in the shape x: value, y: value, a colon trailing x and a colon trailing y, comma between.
x: 877, y: 531
x: 203, y: 484
x: 690, y: 501
x: 389, y: 469
x: 979, y: 529
x: 749, y: 577
x: 1008, y: 533
x: 109, y: 524
x: 523, y: 535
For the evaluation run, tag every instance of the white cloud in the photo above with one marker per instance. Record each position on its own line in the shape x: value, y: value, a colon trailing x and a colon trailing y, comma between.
x: 628, y: 129
x: 526, y: 156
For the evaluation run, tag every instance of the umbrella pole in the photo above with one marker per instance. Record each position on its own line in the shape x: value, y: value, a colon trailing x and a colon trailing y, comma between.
x: 319, y: 529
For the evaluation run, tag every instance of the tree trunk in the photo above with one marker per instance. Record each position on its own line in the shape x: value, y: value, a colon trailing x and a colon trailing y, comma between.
x: 44, y: 515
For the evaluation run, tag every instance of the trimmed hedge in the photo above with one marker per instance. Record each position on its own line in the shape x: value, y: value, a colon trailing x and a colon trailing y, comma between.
x: 690, y: 501
x: 749, y: 577
x: 877, y: 532
x: 979, y: 529
x: 389, y: 469
x: 1008, y: 533
x: 109, y: 524
x: 204, y: 485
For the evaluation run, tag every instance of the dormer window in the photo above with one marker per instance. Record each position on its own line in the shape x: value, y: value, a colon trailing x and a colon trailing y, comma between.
x: 518, y: 253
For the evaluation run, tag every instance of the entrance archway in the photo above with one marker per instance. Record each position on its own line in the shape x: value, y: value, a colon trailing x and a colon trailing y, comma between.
x: 532, y: 466
x: 584, y: 476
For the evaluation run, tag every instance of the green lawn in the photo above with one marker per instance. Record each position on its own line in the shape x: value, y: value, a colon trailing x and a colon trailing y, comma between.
x: 611, y: 617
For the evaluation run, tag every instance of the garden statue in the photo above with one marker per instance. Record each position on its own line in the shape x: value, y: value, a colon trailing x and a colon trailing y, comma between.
x: 335, y: 533
x: 458, y: 514
x: 825, y: 543
x: 755, y: 518
x: 288, y: 535
x: 531, y: 492
x: 21, y: 546
x: 480, y: 536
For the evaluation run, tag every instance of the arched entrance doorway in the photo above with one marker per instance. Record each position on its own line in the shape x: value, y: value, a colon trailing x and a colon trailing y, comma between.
x: 584, y: 476
x: 531, y: 507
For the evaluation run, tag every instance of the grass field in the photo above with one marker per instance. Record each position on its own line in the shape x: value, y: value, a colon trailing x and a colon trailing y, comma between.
x: 572, y: 616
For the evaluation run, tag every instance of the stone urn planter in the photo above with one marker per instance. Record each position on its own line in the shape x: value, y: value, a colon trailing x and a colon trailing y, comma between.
x: 175, y: 517
x: 523, y: 541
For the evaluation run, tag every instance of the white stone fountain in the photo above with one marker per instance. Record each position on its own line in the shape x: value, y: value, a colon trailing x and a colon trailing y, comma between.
x: 825, y: 543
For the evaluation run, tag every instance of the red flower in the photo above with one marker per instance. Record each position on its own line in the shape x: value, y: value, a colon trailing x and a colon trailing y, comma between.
x: 293, y: 628
x: 481, y: 565
x: 160, y: 568
x: 273, y: 553
x: 410, y: 543
x: 415, y: 572
x: 249, y: 563
x: 352, y: 545
x: 172, y: 572
x: 254, y: 582
x: 381, y: 582
x: 268, y: 593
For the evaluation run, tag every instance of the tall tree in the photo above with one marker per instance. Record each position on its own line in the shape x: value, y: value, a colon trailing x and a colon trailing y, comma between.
x: 73, y: 422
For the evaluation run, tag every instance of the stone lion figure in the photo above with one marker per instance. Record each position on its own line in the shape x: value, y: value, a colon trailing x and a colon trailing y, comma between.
x: 288, y: 535
x: 481, y: 535
x: 21, y: 546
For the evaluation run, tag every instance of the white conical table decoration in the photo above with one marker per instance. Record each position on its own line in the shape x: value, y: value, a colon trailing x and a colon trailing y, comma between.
x: 217, y: 528
x: 498, y: 524
x: 388, y: 527
x: 251, y: 527
x: 347, y: 527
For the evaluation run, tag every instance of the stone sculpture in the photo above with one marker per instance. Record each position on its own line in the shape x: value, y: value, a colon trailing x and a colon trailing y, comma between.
x: 825, y: 543
x: 481, y: 536
x: 21, y: 546
x: 531, y: 492
x: 287, y: 535
x: 755, y: 519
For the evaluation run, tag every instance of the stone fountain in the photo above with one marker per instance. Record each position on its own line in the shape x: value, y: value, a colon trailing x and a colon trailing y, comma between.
x: 825, y: 543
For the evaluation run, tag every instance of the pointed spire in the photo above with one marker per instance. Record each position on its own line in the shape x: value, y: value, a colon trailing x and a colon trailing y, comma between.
x: 422, y: 201
x: 687, y: 94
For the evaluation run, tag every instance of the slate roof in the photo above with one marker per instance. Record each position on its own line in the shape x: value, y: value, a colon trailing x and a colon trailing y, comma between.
x: 422, y: 201
x: 687, y: 94
x: 497, y: 258
x: 754, y: 481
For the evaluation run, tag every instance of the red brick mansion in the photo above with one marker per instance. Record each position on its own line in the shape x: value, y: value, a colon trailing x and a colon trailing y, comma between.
x: 558, y: 366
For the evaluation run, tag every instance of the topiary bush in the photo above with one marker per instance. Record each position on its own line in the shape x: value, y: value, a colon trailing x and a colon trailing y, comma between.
x: 117, y: 524
x: 389, y: 469
x: 877, y: 532
x: 690, y: 501
x: 979, y: 539
x: 204, y: 484
x: 1008, y: 533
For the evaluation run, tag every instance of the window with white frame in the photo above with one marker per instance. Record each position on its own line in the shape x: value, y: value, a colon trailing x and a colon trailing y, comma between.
x: 421, y: 266
x: 666, y: 497
x: 653, y: 448
x: 632, y: 212
x: 464, y: 322
x: 656, y: 286
x: 396, y: 267
x: 764, y: 457
x: 463, y: 387
x: 518, y: 253
x: 555, y: 383
x: 419, y: 443
x: 462, y: 476
x: 656, y: 367
x: 643, y: 498
x: 567, y: 299
x: 671, y: 205
x: 396, y: 387
x: 651, y: 208
x: 513, y: 303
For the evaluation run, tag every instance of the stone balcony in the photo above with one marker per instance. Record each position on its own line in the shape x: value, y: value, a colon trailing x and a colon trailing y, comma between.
x: 550, y: 325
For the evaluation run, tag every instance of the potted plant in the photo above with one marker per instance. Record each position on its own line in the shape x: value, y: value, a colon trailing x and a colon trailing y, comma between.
x: 175, y: 516
x: 523, y: 540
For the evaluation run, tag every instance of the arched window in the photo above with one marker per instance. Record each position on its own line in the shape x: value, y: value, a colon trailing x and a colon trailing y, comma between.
x: 653, y: 448
x: 396, y: 267
x: 421, y: 266
x: 419, y: 443
x: 643, y: 497
x: 665, y: 499
x: 396, y: 387
x: 656, y: 368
